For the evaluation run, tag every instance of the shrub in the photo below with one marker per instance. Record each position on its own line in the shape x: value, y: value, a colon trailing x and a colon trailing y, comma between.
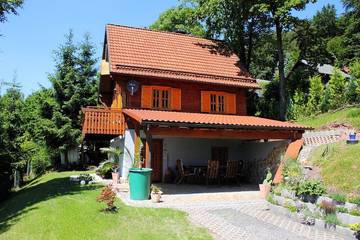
x: 108, y: 197
x: 291, y: 207
x: 338, y: 197
x: 355, y: 227
x: 85, y: 177
x: 332, y: 219
x: 355, y: 212
x: 328, y: 207
x: 342, y: 209
x: 291, y: 168
x: 271, y: 200
x: 311, y: 187
x: 277, y: 189
x: 105, y: 169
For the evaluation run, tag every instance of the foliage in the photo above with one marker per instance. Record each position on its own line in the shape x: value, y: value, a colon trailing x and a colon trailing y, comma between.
x: 297, y: 107
x: 277, y: 189
x: 74, y: 81
x: 108, y: 197
x: 332, y: 219
x: 336, y: 89
x: 355, y: 227
x: 106, y: 168
x: 328, y: 207
x: 180, y: 18
x: 9, y: 7
x: 271, y: 200
x: 338, y: 197
x: 342, y: 209
x: 155, y: 189
x: 354, y: 199
x: 311, y: 187
x: 5, y: 175
x: 316, y: 95
x: 291, y: 168
x: 291, y: 207
x: 355, y: 212
x: 268, y: 178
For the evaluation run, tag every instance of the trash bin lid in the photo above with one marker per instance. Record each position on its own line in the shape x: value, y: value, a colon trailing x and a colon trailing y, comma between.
x: 140, y: 170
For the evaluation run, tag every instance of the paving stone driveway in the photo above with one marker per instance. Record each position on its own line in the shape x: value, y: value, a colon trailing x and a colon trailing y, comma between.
x: 252, y: 220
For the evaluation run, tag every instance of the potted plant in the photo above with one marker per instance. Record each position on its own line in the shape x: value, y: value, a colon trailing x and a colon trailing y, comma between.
x: 155, y: 194
x: 114, y: 157
x: 265, y: 187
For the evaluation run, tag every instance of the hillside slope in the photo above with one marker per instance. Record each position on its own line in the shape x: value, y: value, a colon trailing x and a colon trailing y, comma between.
x: 350, y: 116
x: 340, y: 166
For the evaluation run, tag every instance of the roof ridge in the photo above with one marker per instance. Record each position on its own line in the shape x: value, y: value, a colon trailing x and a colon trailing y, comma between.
x: 165, y: 32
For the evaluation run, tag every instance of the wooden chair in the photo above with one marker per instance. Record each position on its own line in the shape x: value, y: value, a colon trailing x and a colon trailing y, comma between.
x: 212, y: 173
x: 183, y: 175
x: 231, y: 171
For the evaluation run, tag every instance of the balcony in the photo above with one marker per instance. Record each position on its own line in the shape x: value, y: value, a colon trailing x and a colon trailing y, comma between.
x: 103, y: 121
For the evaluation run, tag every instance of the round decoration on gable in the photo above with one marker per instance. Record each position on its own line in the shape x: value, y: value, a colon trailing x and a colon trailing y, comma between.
x: 132, y: 86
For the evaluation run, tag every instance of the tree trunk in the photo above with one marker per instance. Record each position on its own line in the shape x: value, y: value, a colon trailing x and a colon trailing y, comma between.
x: 250, y: 45
x: 282, y: 83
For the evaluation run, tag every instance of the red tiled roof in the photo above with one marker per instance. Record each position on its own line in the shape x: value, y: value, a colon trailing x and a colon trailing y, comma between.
x: 245, y: 122
x: 145, y: 52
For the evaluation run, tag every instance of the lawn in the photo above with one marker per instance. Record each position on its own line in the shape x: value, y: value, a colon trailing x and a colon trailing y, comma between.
x: 347, y: 115
x: 53, y: 208
x: 340, y: 164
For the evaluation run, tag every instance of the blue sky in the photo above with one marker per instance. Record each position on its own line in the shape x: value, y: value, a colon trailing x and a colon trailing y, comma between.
x: 29, y: 39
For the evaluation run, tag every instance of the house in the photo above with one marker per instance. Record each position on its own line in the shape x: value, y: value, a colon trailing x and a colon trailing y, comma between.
x: 168, y: 96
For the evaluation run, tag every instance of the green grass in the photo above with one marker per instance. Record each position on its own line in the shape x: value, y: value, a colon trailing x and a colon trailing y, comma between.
x: 347, y: 115
x: 53, y: 208
x: 340, y: 164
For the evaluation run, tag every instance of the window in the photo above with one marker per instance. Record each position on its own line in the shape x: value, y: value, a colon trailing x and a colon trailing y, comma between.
x: 217, y: 103
x: 160, y: 99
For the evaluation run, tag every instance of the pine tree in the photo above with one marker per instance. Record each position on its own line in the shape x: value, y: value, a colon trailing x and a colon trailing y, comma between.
x: 75, y: 86
x: 316, y: 95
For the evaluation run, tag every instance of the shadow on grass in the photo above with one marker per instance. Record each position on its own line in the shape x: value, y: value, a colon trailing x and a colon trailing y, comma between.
x: 22, y: 202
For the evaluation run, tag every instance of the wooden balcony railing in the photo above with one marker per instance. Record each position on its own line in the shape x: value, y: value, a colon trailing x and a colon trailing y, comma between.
x: 105, y: 121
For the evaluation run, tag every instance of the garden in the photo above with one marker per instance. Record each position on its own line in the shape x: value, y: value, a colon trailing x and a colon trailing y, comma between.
x: 311, y: 202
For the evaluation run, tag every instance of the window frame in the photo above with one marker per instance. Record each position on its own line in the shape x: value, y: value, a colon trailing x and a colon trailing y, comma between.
x: 163, y: 95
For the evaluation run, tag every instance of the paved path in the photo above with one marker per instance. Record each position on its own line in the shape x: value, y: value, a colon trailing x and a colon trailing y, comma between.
x: 252, y: 220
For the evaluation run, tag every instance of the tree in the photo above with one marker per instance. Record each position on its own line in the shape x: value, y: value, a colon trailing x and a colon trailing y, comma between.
x: 75, y: 86
x: 9, y: 7
x: 336, y: 89
x: 353, y: 91
x: 316, y: 95
x: 313, y: 36
x: 180, y: 18
x: 280, y: 13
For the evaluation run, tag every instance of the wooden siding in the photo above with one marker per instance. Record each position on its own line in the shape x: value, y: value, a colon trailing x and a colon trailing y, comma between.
x: 190, y: 93
x: 103, y: 121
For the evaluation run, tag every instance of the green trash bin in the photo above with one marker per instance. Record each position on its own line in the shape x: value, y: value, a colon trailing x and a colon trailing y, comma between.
x: 139, y: 180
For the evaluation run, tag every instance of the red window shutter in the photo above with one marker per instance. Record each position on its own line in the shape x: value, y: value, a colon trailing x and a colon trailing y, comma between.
x: 230, y: 101
x: 205, y: 101
x: 175, y: 98
x: 146, y: 96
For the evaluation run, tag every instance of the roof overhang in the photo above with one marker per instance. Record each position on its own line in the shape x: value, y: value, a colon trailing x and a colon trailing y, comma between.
x: 208, y: 121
